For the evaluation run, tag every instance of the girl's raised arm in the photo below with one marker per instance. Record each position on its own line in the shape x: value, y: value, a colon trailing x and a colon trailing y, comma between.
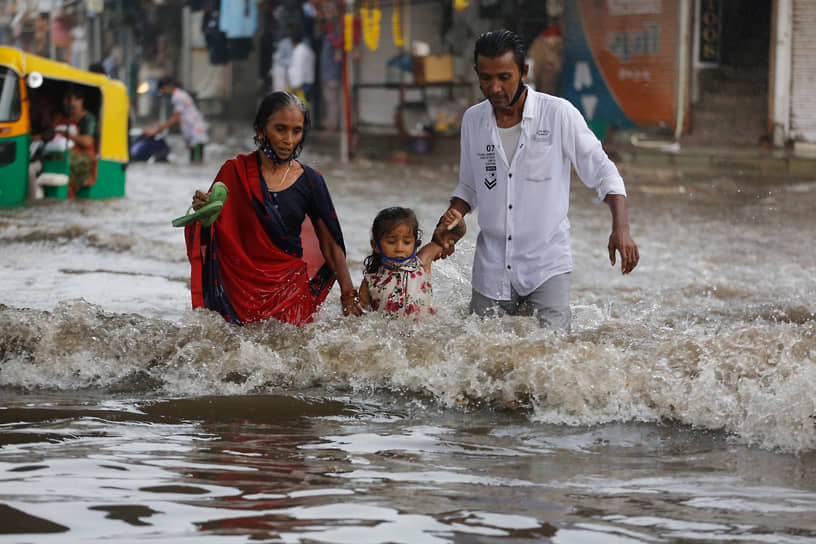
x: 427, y: 253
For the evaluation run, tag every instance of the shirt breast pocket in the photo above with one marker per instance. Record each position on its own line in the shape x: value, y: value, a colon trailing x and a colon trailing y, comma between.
x: 540, y: 161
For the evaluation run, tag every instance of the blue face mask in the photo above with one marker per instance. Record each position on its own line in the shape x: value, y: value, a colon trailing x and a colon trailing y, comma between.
x: 266, y: 149
x: 521, y: 87
x: 392, y: 262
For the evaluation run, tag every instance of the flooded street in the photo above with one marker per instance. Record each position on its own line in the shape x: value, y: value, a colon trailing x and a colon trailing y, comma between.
x: 680, y: 407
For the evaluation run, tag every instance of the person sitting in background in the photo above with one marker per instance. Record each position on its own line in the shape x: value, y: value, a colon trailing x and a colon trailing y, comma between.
x: 80, y: 130
x: 185, y: 114
x: 42, y: 132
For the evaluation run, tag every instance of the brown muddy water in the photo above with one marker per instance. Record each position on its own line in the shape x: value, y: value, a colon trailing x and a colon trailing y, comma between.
x: 679, y: 409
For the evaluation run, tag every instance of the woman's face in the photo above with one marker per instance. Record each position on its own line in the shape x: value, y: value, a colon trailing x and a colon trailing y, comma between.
x: 284, y: 130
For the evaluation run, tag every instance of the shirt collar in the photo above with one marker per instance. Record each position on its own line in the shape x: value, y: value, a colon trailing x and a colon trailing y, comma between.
x: 531, y: 107
x: 530, y: 104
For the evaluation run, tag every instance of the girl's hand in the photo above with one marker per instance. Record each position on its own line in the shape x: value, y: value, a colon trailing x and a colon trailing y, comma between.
x: 450, y: 229
x: 200, y: 198
x: 350, y: 300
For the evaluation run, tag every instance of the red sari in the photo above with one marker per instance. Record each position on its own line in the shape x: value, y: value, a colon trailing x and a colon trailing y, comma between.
x: 245, y: 267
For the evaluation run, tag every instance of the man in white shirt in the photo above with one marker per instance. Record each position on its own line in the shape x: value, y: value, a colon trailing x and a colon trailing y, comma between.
x: 517, y: 150
x: 302, y: 68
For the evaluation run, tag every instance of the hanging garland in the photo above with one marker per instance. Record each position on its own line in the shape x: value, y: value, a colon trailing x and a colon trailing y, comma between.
x: 335, y: 38
x: 396, y: 25
x: 348, y: 31
x: 371, y: 23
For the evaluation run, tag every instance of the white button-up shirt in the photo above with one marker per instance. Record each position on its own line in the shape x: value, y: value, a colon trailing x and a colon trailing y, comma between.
x: 522, y: 206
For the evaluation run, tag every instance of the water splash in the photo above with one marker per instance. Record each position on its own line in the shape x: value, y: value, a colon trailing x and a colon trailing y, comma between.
x: 752, y: 382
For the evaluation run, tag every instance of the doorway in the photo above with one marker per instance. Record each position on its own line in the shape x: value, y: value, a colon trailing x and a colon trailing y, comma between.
x: 731, y: 102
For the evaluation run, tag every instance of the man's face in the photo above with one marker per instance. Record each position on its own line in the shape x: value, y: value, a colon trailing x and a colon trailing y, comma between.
x: 499, y: 78
x: 72, y: 104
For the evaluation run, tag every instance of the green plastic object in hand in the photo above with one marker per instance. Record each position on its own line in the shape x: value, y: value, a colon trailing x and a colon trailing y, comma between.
x: 207, y: 213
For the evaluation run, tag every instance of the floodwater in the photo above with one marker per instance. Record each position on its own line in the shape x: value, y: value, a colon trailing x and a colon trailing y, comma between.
x: 679, y: 409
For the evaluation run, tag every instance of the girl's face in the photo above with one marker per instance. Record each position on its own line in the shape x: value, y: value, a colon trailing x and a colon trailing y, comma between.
x: 284, y: 130
x: 398, y: 243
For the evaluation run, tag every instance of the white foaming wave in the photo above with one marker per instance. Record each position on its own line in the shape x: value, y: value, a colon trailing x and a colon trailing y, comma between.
x: 752, y: 382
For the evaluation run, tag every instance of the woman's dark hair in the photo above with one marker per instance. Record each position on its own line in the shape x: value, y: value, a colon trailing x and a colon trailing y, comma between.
x: 498, y: 42
x: 273, y: 103
x: 386, y: 221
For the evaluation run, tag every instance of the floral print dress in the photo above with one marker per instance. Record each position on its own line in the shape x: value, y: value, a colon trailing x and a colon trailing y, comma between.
x: 403, y: 291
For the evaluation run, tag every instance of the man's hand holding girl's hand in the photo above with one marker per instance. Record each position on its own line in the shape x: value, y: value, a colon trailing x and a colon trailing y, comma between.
x: 450, y: 229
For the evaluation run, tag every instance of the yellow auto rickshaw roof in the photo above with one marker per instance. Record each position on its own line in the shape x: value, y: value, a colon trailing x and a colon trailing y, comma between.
x: 113, y: 116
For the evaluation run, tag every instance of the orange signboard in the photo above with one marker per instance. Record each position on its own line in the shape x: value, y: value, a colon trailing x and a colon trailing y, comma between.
x: 621, y: 60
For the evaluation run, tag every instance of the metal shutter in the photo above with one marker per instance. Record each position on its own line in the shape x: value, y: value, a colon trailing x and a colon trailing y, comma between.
x: 803, y: 70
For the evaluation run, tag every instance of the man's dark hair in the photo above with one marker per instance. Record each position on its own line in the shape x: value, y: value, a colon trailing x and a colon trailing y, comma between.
x: 76, y: 92
x: 166, y: 80
x: 498, y: 42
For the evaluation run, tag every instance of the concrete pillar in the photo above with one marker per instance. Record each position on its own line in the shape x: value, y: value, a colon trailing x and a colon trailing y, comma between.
x: 186, y: 74
x: 781, y: 52
x: 683, y: 65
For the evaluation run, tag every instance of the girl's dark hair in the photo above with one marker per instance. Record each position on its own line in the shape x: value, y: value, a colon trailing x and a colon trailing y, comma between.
x: 498, y: 42
x: 386, y: 221
x: 273, y: 103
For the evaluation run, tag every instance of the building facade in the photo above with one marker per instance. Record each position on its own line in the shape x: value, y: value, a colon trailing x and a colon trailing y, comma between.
x: 707, y: 72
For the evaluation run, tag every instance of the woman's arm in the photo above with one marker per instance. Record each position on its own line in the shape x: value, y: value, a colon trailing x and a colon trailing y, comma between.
x: 336, y: 259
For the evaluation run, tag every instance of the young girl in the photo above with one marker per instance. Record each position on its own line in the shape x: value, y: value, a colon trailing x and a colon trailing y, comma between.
x: 397, y: 278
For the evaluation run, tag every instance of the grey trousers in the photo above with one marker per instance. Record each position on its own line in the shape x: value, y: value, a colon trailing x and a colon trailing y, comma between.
x: 549, y: 303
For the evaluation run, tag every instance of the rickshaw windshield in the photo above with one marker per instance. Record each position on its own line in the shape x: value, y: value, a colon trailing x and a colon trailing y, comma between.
x: 9, y: 96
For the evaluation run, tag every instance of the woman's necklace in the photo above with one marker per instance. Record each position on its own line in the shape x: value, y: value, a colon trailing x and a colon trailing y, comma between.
x: 282, y: 180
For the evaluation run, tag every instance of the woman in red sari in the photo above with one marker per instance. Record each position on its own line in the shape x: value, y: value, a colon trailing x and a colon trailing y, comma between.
x: 277, y: 247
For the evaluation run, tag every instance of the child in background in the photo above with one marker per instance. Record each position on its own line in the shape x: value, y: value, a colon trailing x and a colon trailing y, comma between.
x: 397, y: 278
